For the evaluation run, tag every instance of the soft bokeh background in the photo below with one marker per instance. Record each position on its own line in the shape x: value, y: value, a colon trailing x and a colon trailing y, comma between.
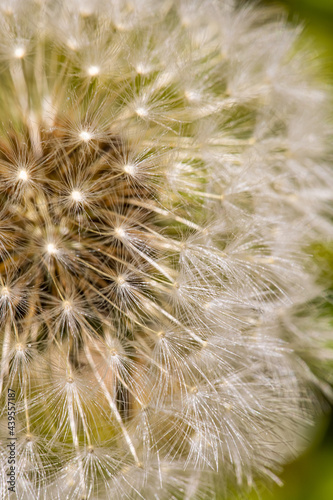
x: 318, y: 18
x: 311, y: 476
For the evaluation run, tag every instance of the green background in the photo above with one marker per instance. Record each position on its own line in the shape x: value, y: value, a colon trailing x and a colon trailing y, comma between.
x: 317, y: 15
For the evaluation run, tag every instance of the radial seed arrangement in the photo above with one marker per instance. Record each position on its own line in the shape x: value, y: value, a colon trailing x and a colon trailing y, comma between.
x: 162, y: 170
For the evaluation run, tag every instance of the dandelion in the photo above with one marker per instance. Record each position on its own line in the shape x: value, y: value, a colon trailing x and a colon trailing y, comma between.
x: 163, y: 166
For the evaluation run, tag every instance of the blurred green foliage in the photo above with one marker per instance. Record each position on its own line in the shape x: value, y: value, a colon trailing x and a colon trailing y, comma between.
x: 311, y: 477
x: 315, y: 7
x: 317, y: 16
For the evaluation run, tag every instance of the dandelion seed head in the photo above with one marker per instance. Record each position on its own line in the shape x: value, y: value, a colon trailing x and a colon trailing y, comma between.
x: 158, y: 190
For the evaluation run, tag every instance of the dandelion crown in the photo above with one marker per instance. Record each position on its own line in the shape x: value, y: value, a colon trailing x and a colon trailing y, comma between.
x: 161, y: 172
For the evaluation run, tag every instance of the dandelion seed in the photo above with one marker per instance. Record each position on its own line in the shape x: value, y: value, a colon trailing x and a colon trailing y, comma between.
x: 5, y: 292
x: 93, y: 70
x: 142, y: 112
x: 85, y: 136
x: 51, y: 249
x: 141, y: 69
x: 192, y: 96
x: 72, y: 44
x: 19, y: 52
x: 119, y: 232
x: 130, y: 169
x: 76, y: 195
x: 67, y: 306
x: 121, y: 280
x: 23, y: 175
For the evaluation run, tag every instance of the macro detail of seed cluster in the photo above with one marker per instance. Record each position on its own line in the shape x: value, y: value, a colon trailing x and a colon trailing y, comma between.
x: 162, y: 171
